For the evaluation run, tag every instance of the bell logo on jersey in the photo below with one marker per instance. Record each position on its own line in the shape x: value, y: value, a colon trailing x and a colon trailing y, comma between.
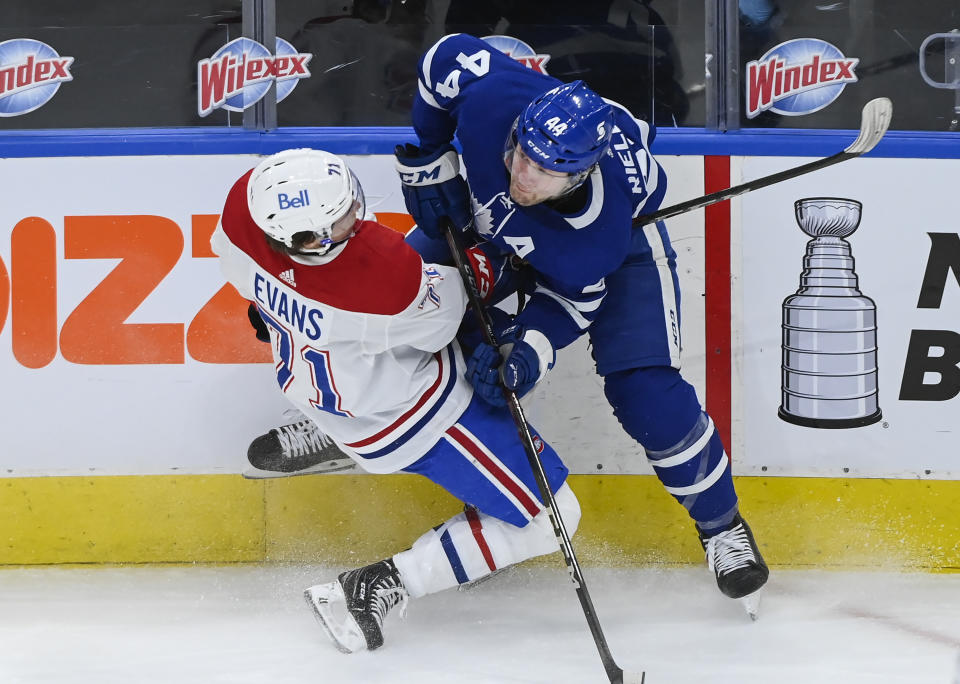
x: 302, y: 199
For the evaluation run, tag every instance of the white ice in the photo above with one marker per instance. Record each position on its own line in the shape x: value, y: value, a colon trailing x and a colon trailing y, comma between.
x: 249, y: 625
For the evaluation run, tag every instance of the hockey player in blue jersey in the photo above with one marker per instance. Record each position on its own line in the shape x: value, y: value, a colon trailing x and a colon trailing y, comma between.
x: 554, y: 175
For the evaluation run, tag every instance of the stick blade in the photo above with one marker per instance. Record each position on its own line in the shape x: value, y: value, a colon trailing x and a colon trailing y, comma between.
x: 633, y: 677
x: 875, y: 121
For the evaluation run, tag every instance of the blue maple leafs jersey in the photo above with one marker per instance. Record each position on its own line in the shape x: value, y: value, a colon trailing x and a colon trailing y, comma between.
x: 468, y: 88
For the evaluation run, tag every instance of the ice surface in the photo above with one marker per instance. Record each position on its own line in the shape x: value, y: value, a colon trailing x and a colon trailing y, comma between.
x: 249, y: 625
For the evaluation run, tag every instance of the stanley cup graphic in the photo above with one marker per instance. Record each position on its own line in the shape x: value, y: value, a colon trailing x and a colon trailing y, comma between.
x: 829, y: 372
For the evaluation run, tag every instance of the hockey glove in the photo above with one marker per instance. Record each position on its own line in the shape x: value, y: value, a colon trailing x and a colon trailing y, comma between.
x: 516, y: 366
x: 263, y: 333
x: 433, y: 188
x: 470, y: 335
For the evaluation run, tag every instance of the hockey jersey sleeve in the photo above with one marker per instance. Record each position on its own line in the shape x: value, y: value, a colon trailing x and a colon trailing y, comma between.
x: 433, y: 317
x: 562, y: 311
x: 234, y: 271
x: 445, y: 71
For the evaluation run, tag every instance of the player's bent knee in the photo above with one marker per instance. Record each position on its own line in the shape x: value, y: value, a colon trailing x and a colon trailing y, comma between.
x: 569, y: 507
x: 538, y: 536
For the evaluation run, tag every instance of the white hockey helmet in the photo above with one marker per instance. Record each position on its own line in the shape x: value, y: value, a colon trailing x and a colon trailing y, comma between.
x: 308, y: 192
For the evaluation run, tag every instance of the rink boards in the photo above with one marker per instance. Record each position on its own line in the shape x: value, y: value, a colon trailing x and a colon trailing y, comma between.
x: 349, y: 520
x: 133, y: 383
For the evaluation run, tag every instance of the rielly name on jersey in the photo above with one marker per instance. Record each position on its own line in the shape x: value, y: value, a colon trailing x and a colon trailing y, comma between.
x: 466, y: 85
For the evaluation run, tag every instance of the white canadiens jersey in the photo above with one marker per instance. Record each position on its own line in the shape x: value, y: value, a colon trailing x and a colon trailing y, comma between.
x: 363, y: 338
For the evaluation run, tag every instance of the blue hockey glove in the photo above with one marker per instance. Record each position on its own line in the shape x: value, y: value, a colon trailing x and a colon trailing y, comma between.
x: 483, y: 372
x: 516, y: 366
x: 470, y: 335
x: 433, y: 188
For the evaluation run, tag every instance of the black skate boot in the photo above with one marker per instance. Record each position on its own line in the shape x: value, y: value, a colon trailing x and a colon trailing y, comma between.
x: 352, y: 609
x: 733, y: 555
x: 295, y: 449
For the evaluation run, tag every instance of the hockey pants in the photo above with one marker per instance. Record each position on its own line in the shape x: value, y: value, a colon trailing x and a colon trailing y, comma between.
x: 482, y: 462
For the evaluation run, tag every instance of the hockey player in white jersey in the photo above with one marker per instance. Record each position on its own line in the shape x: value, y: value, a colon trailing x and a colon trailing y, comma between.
x: 363, y: 334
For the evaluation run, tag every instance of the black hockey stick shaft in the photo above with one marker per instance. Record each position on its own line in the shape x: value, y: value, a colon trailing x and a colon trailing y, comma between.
x: 614, y: 672
x: 875, y: 121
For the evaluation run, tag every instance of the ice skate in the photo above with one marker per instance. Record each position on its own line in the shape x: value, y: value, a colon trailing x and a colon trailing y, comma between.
x: 473, y: 584
x: 735, y: 559
x: 352, y: 609
x: 298, y: 448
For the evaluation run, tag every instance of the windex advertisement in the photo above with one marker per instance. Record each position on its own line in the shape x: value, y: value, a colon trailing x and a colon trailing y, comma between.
x: 30, y: 75
x: 520, y: 51
x: 797, y: 77
x: 239, y: 74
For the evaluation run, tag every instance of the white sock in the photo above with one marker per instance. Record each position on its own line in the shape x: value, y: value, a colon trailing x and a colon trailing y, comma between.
x: 477, y: 544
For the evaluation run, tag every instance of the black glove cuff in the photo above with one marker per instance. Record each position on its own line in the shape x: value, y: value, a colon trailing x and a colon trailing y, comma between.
x: 263, y: 333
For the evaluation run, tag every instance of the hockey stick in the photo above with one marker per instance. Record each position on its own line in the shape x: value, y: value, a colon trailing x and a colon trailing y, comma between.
x: 875, y: 120
x: 614, y: 672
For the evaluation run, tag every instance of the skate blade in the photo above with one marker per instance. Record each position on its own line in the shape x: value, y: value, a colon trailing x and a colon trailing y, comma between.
x: 336, y: 466
x: 342, y: 629
x: 751, y: 604
x: 473, y: 584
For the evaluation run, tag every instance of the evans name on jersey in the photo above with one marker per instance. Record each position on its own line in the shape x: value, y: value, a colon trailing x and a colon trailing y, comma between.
x: 297, y: 315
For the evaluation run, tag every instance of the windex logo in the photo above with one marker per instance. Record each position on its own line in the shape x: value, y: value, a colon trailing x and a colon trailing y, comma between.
x: 520, y: 51
x: 30, y: 75
x: 797, y: 77
x: 239, y: 74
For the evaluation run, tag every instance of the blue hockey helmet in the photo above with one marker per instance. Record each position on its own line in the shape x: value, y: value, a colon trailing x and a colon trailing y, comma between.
x: 566, y: 129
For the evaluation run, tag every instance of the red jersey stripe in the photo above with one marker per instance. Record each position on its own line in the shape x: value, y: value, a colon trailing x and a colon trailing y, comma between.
x: 424, y: 398
x: 531, y: 505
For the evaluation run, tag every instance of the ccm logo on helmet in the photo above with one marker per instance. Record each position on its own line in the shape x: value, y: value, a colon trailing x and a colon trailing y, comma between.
x: 302, y: 199
x: 540, y: 153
